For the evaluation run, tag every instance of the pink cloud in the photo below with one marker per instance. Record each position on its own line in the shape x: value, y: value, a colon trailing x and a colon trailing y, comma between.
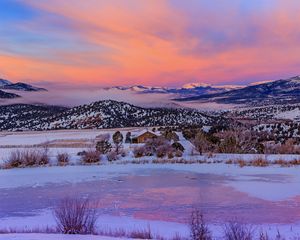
x: 157, y: 43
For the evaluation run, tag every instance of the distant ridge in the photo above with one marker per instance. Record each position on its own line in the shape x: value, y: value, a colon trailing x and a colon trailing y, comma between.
x: 19, y: 86
x: 284, y: 91
x: 192, y: 89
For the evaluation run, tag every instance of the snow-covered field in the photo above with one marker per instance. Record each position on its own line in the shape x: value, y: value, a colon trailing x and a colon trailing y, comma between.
x: 74, y: 141
x: 136, y: 196
x: 39, y: 236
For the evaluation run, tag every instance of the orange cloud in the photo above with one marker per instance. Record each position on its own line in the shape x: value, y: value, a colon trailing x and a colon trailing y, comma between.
x: 156, y: 43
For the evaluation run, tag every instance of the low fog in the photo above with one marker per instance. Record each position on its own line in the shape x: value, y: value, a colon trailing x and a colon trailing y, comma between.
x: 74, y: 97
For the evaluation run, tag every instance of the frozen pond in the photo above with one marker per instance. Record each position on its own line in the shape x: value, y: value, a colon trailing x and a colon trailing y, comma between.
x: 168, y: 194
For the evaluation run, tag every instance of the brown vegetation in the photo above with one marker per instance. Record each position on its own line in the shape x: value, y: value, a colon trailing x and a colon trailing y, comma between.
x: 27, y: 158
x: 63, y: 159
x: 90, y: 157
x: 75, y: 216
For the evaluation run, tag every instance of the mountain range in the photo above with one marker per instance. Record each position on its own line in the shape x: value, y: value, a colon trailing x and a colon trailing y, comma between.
x: 284, y: 91
x: 188, y: 90
x: 19, y: 86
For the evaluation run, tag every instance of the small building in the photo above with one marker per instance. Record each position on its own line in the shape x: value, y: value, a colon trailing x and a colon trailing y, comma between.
x: 143, y: 136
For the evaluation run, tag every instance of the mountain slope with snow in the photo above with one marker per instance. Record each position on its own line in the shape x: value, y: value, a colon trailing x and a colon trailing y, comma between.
x: 277, y: 92
x: 19, y: 86
x: 102, y: 114
x: 192, y: 89
x: 22, y: 87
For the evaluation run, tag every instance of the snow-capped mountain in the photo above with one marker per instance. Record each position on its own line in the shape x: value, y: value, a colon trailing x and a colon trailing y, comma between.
x: 4, y: 82
x: 102, y: 114
x: 21, y: 87
x: 192, y: 89
x: 8, y: 85
x: 276, y: 92
x: 6, y: 95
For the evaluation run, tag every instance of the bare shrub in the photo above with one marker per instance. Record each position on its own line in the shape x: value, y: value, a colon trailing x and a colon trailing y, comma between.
x: 15, y: 159
x: 164, y: 150
x: 30, y: 157
x: 90, y: 157
x: 241, y: 162
x: 75, y: 216
x: 141, y: 234
x: 288, y: 147
x: 237, y: 231
x: 259, y: 162
x: 280, y: 237
x: 294, y: 162
x: 139, y: 152
x: 170, y: 155
x: 117, y: 233
x: 112, y: 156
x: 152, y: 145
x: 177, y: 236
x: 27, y: 158
x: 282, y: 163
x: 178, y: 154
x: 198, y: 228
x: 229, y: 161
x: 43, y: 158
x: 63, y: 159
x: 263, y: 236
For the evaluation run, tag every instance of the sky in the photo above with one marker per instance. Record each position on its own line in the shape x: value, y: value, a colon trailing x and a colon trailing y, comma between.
x: 148, y: 42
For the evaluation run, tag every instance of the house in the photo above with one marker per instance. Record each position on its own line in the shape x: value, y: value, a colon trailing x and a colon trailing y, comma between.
x: 143, y: 136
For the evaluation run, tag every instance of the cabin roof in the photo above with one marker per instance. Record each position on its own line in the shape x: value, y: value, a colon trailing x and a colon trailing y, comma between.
x: 137, y: 134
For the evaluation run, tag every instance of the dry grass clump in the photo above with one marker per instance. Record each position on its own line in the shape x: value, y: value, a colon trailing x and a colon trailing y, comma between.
x: 242, y: 163
x: 141, y: 234
x: 63, y: 159
x: 263, y: 162
x: 259, y: 162
x: 90, y: 157
x: 295, y: 162
x: 230, y: 161
x: 285, y: 163
x: 27, y: 158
